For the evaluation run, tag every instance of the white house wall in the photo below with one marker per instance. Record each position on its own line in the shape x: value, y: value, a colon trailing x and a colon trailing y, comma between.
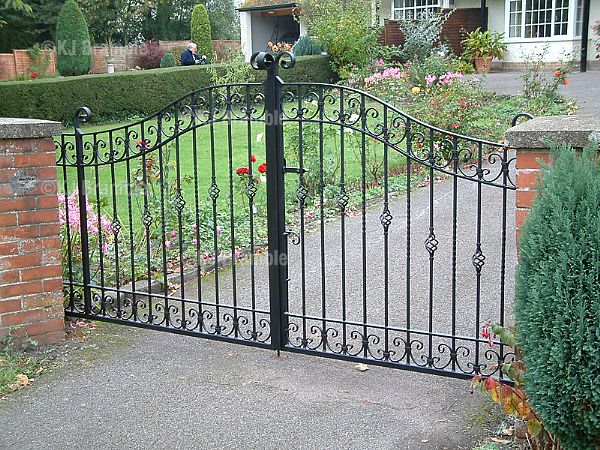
x: 556, y: 47
x: 246, y: 34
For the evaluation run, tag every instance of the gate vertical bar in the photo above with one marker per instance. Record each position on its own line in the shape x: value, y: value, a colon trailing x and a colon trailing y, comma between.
x: 277, y: 237
x: 83, y: 115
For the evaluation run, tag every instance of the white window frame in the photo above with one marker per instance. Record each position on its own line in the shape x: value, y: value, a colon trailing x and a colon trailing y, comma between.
x: 571, y: 24
x: 400, y: 13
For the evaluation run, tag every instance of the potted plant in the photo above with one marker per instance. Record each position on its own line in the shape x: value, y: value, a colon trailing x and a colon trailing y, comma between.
x: 483, y: 47
x: 110, y: 61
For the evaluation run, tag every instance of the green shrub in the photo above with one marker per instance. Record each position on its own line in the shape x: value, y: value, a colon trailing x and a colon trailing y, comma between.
x: 422, y: 36
x: 168, y: 60
x: 200, y: 31
x: 73, y: 53
x: 126, y: 94
x: 557, y: 301
x: 307, y: 45
x: 177, y: 51
x: 344, y: 29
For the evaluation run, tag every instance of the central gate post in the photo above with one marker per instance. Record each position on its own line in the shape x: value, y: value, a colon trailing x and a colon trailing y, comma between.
x: 277, y: 236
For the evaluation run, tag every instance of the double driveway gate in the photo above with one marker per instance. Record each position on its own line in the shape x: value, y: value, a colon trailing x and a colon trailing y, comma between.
x: 303, y: 217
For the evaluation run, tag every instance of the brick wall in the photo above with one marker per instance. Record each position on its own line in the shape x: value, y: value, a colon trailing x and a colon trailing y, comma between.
x: 31, y: 300
x: 528, y: 167
x: 530, y: 141
x: 18, y: 62
x: 467, y: 18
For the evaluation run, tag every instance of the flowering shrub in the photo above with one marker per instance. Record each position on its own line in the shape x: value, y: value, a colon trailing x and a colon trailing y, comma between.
x: 99, y: 228
x: 513, y: 399
x: 540, y: 89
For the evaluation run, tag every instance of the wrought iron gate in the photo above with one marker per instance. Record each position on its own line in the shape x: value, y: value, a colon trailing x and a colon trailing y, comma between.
x: 386, y: 265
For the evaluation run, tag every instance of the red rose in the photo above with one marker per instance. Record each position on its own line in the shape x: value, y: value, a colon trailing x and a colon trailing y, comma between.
x: 557, y: 73
x: 35, y: 75
x: 262, y: 168
x: 253, y: 158
x: 565, y: 81
x: 242, y: 171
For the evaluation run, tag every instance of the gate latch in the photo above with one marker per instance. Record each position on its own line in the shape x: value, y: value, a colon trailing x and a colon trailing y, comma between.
x: 294, y: 170
x: 297, y: 170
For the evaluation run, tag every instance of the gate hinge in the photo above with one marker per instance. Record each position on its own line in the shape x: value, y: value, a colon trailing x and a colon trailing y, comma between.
x: 295, y: 170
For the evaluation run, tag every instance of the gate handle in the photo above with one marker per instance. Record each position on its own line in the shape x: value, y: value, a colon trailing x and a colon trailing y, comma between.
x: 294, y: 170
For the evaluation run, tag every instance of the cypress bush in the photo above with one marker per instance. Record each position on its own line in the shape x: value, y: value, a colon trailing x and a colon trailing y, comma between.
x: 200, y: 31
x: 168, y: 60
x: 307, y: 45
x: 73, y: 51
x: 557, y: 300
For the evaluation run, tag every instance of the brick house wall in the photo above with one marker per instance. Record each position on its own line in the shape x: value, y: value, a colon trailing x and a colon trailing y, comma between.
x: 462, y: 18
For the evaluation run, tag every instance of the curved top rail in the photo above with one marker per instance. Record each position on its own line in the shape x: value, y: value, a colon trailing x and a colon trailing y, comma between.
x: 399, y: 111
x: 161, y: 111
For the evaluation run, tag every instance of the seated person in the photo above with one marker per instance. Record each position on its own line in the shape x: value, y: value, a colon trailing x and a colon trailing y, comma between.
x: 190, y: 58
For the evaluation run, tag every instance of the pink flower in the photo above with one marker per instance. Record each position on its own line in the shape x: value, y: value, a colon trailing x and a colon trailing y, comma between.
x: 206, y: 256
x: 219, y: 230
x: 168, y: 244
x: 430, y: 79
x: 195, y: 227
x: 106, y: 224
x: 238, y: 254
x: 379, y: 63
x: 195, y: 241
x: 104, y: 247
x: 173, y: 234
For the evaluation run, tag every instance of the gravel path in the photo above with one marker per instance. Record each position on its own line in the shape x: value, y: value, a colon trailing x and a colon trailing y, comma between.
x: 169, y: 391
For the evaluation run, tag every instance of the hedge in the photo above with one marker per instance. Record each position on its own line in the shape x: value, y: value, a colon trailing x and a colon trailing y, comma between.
x: 126, y: 94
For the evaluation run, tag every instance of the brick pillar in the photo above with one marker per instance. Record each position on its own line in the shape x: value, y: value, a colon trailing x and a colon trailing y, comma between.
x: 31, y: 299
x: 531, y: 141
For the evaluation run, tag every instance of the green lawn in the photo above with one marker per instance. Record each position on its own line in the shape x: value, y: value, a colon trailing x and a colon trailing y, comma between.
x: 190, y: 161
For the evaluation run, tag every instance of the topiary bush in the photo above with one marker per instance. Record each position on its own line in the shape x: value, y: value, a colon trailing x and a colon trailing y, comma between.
x: 73, y: 47
x: 126, y: 94
x: 168, y: 60
x: 200, y: 31
x: 557, y: 299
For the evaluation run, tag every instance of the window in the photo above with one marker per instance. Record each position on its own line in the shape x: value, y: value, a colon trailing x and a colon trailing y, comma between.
x: 410, y: 9
x: 538, y: 18
x: 579, y: 20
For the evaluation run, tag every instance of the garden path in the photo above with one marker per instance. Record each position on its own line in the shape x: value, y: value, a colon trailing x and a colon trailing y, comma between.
x: 168, y: 391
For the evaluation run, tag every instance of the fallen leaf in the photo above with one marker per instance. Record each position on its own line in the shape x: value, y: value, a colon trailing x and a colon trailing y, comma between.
x: 361, y: 367
x: 22, y: 380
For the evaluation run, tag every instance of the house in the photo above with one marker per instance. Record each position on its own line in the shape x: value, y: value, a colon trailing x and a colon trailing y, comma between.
x: 529, y: 25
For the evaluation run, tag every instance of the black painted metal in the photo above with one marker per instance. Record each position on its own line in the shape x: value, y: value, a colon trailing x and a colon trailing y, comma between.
x: 328, y: 304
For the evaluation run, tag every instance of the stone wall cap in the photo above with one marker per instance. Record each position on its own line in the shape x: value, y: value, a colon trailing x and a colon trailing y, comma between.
x: 28, y: 128
x: 576, y: 130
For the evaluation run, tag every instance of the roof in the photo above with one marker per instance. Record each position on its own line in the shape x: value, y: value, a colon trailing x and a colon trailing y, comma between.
x: 258, y: 5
